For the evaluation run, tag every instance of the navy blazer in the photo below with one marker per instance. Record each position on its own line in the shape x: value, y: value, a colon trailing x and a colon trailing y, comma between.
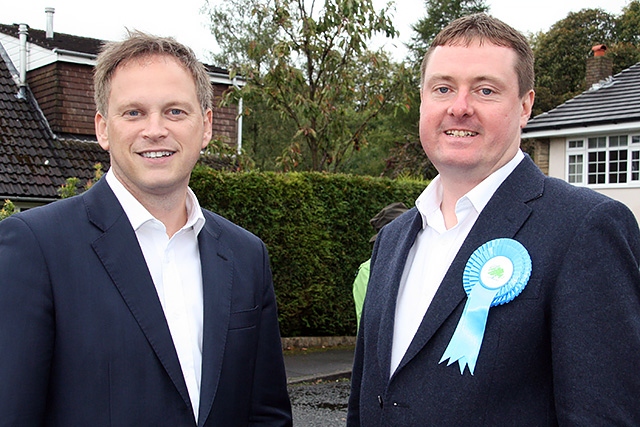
x: 84, y: 340
x: 566, y: 351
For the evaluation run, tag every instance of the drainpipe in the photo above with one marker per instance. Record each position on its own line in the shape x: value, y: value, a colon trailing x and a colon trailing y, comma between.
x: 49, y: 11
x: 240, y: 114
x: 23, y: 31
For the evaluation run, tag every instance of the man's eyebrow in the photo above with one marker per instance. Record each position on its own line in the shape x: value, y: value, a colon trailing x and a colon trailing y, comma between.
x: 437, y: 78
x: 479, y: 79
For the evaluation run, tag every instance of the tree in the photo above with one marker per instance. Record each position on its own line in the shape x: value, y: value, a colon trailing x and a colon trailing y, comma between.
x: 628, y: 24
x: 313, y: 68
x: 626, y: 51
x: 561, y: 53
x: 244, y: 30
x: 8, y: 209
x: 71, y: 187
x: 439, y: 14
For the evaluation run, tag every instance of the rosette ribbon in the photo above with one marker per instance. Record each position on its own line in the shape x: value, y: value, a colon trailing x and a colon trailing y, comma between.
x: 495, y: 274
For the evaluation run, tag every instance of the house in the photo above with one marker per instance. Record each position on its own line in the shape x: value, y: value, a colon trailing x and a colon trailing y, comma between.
x: 47, y: 112
x: 593, y: 140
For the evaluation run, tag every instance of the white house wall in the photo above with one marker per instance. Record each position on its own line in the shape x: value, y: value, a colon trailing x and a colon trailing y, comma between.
x: 558, y: 169
x: 557, y: 158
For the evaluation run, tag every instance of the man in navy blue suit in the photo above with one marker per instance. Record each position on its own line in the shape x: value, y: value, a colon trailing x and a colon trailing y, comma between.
x: 129, y: 305
x: 504, y: 297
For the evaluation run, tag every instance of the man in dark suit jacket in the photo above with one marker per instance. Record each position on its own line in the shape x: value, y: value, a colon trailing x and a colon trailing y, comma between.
x: 562, y: 348
x: 129, y: 305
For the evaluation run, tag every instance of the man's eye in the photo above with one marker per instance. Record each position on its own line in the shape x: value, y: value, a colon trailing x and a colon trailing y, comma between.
x: 443, y: 90
x: 132, y: 113
x: 175, y: 111
x: 486, y: 91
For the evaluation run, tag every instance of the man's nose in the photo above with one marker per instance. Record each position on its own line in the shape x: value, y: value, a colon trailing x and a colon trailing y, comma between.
x: 461, y: 105
x: 155, y: 126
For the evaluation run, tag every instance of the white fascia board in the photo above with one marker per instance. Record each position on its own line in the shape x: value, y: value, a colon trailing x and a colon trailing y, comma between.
x: 583, y: 130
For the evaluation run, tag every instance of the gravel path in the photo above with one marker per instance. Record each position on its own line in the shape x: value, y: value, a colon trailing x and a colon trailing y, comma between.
x: 320, y: 404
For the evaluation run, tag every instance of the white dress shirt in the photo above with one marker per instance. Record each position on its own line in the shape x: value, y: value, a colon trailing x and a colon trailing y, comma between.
x: 174, y: 264
x: 433, y: 252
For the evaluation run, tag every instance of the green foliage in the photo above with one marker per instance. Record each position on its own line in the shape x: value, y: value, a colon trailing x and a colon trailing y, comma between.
x: 439, y: 14
x: 8, y: 209
x: 628, y: 24
x: 313, y: 89
x: 561, y: 53
x: 316, y: 228
x: 226, y: 156
x: 71, y: 187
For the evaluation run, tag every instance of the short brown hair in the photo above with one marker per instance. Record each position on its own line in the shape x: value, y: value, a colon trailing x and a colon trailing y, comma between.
x: 484, y: 28
x: 138, y: 44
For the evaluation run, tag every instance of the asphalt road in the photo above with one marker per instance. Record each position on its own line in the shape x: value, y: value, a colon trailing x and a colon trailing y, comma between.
x: 320, y: 404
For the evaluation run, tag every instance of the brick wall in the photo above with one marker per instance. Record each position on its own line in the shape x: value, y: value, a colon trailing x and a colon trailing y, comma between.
x: 224, y: 118
x: 541, y: 154
x: 65, y: 94
x: 598, y: 68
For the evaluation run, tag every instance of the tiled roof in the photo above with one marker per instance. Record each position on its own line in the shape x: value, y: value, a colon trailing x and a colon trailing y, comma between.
x: 614, y: 101
x: 34, y: 162
x: 73, y: 43
x: 59, y: 40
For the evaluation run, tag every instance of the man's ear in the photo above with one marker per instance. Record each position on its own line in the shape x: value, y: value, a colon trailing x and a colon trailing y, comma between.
x: 102, y: 134
x: 208, y: 128
x: 527, y: 107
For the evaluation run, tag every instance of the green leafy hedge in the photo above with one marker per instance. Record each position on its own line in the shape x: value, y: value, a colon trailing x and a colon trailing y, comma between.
x: 316, y: 228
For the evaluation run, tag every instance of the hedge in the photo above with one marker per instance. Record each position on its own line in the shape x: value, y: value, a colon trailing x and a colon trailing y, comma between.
x: 316, y: 228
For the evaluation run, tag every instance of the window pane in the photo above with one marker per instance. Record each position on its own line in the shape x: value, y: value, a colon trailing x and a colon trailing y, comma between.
x: 575, y: 168
x: 618, y: 167
x: 635, y: 166
x: 597, y: 167
x: 599, y: 142
x: 576, y: 144
x: 618, y: 141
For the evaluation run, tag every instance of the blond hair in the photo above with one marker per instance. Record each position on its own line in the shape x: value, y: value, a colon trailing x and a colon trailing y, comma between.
x: 138, y: 44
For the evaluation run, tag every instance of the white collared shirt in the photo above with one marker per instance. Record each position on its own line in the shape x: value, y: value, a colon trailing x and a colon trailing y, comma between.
x: 174, y: 264
x: 433, y: 252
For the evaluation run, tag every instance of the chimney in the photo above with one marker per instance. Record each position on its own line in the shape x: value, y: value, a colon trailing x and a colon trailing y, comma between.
x: 599, y: 66
x: 23, y: 31
x: 49, y: 11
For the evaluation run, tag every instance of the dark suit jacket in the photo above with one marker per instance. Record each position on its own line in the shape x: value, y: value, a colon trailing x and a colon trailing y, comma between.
x: 566, y: 351
x: 84, y: 340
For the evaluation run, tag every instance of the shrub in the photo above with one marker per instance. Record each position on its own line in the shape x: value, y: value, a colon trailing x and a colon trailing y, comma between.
x: 316, y: 228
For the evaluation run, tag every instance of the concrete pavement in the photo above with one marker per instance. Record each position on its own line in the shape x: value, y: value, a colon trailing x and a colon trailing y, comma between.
x: 304, y: 365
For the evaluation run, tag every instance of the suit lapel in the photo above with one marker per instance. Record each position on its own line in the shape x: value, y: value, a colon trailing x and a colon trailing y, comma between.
x: 129, y: 272
x: 503, y: 216
x: 217, y: 278
x: 401, y: 245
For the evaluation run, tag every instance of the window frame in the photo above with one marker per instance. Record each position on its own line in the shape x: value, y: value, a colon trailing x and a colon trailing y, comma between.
x: 580, y: 152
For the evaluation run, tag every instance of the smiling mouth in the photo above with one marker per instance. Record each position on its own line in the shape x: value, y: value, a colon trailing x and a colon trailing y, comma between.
x: 156, y: 154
x: 460, y: 133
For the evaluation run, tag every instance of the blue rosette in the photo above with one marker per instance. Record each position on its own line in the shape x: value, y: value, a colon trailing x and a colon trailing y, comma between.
x: 495, y: 274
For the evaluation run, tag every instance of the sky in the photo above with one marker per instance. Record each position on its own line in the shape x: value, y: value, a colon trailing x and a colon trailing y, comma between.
x: 183, y: 19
